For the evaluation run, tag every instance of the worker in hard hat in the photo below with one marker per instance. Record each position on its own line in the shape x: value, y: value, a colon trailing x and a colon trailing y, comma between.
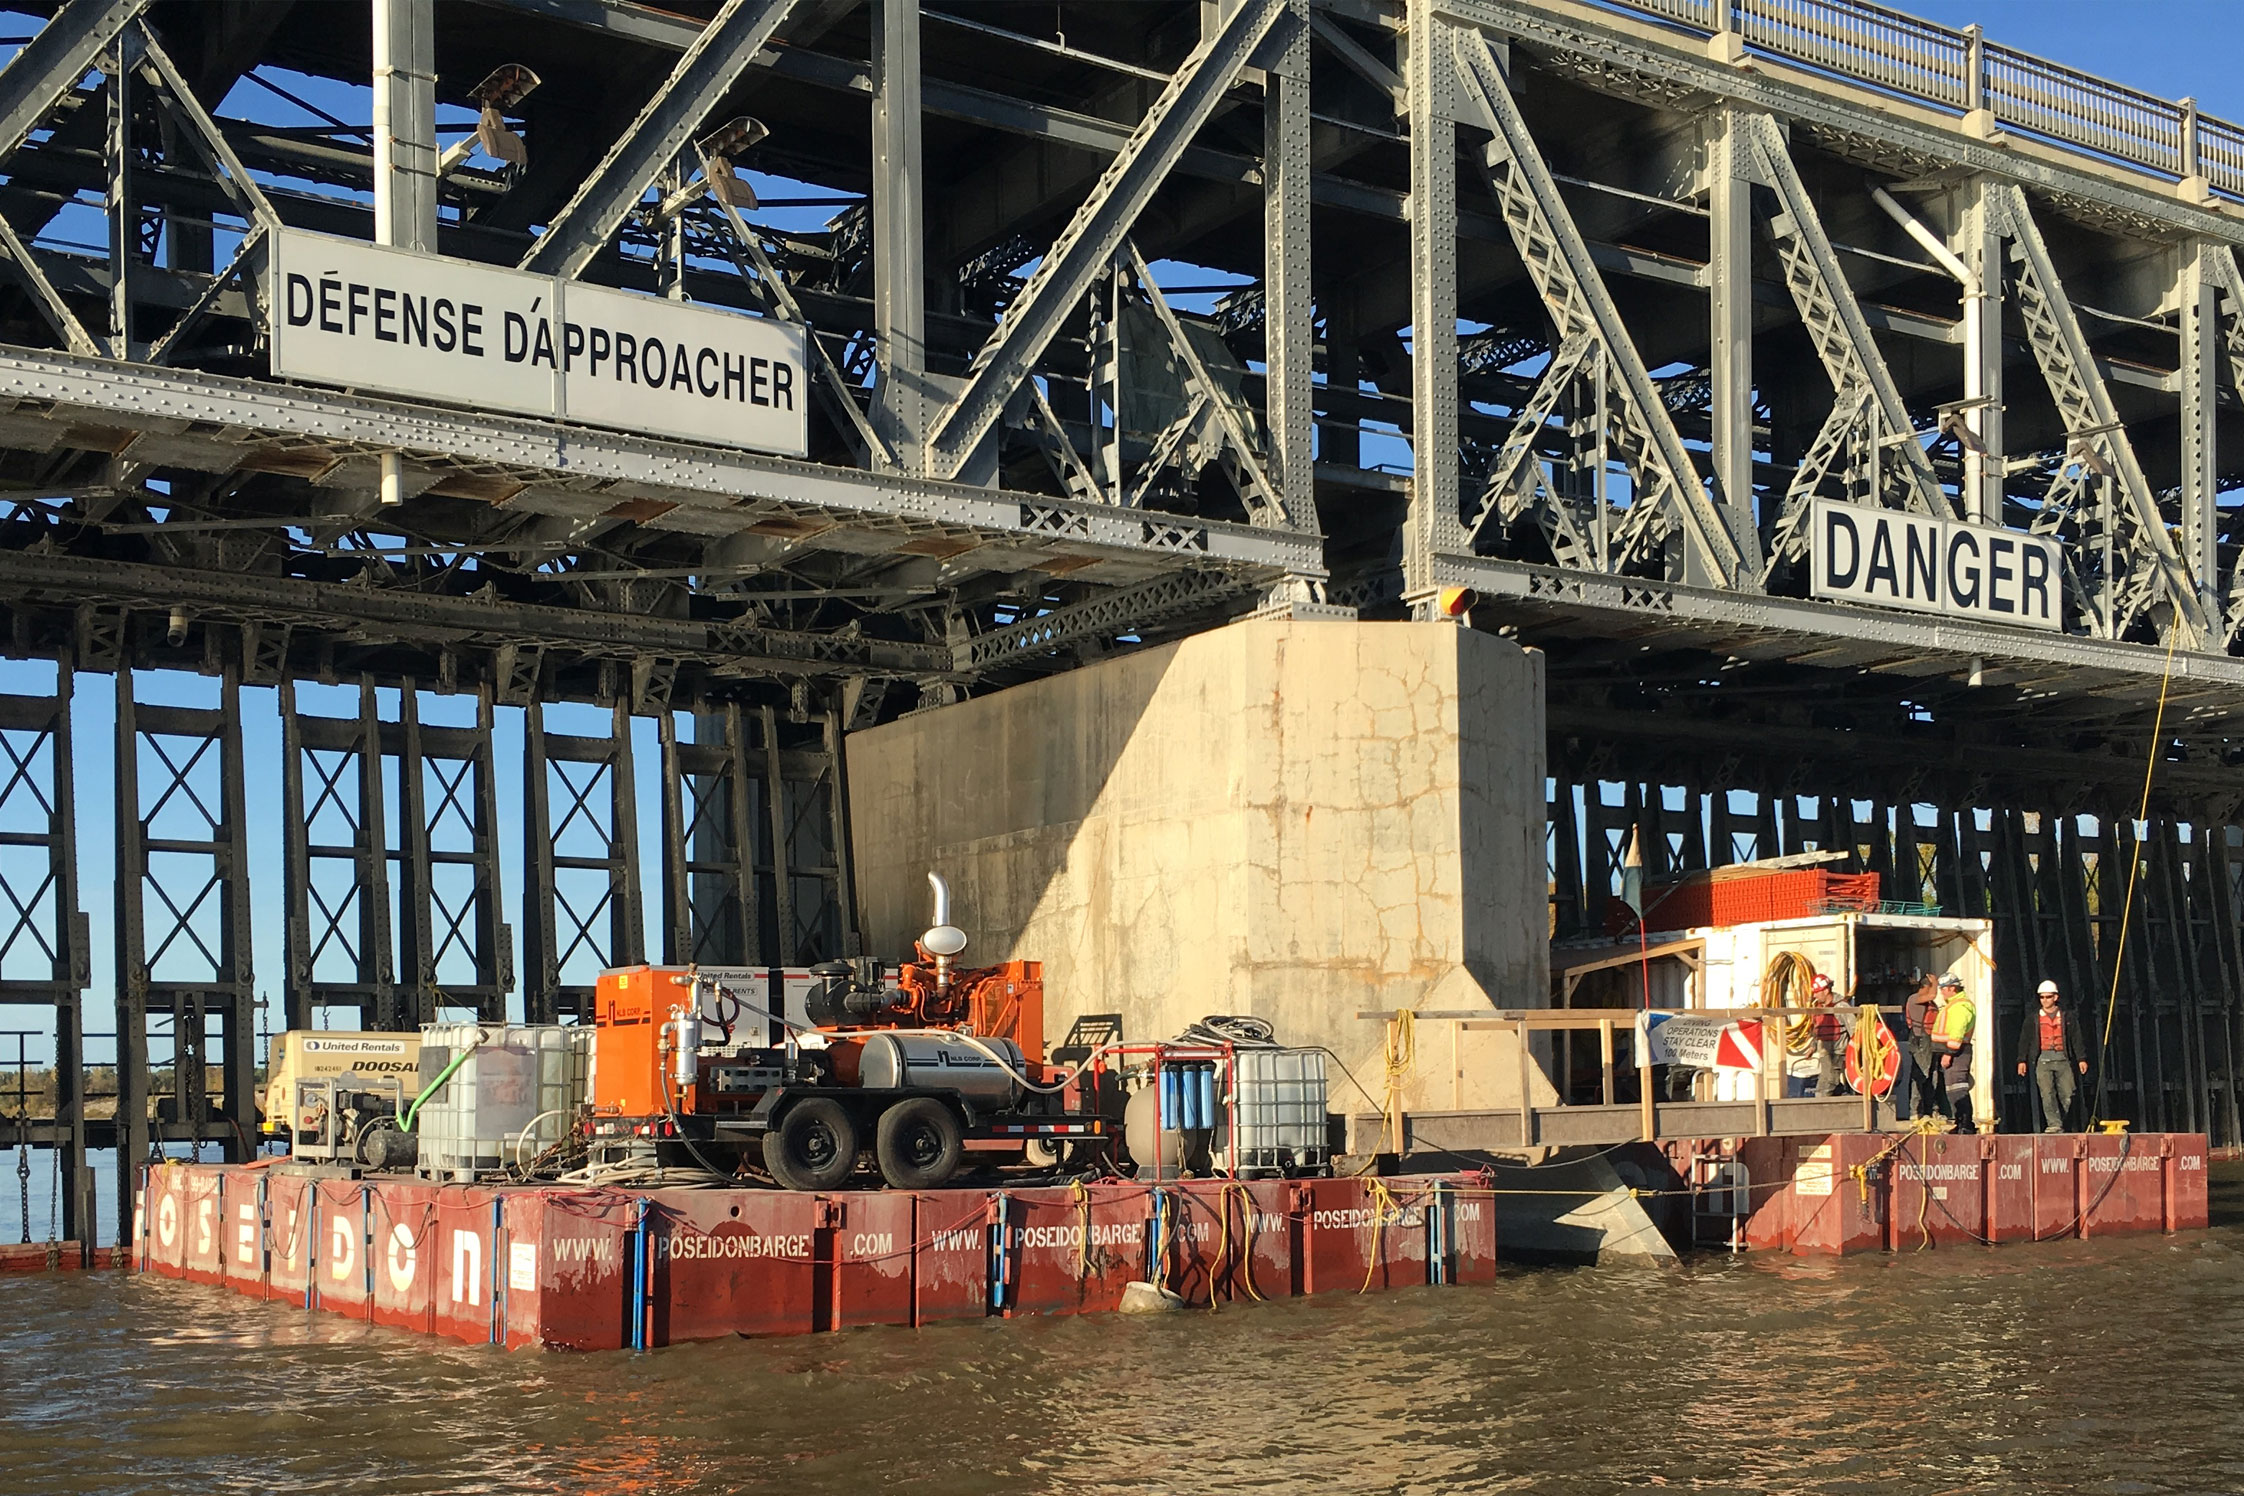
x: 2051, y: 1045
x: 1925, y: 1095
x: 1951, y: 1028
x: 1829, y: 1031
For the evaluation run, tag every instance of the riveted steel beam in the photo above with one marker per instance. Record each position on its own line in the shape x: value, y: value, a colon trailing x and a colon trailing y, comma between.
x: 457, y: 622
x: 1574, y: 294
x: 63, y: 51
x: 1088, y: 245
x: 237, y: 416
x: 1119, y: 611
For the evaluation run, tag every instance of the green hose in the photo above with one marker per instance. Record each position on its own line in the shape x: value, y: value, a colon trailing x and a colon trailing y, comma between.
x: 413, y: 1108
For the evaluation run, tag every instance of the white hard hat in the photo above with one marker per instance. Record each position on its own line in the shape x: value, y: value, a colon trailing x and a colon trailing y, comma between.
x: 2046, y: 989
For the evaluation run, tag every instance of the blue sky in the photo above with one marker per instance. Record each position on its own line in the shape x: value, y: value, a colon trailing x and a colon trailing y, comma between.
x: 2165, y: 47
x: 2170, y: 48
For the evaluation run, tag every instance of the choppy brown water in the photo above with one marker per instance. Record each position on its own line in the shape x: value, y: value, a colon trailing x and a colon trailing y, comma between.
x: 2106, y: 1366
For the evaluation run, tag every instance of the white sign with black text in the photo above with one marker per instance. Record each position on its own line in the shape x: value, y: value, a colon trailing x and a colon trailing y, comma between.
x: 1927, y: 565
x: 428, y: 326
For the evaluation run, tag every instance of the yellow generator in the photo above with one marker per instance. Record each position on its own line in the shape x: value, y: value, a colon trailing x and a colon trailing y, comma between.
x: 387, y: 1064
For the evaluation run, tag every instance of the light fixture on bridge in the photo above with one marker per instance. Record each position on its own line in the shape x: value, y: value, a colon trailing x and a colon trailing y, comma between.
x: 502, y: 90
x: 719, y: 149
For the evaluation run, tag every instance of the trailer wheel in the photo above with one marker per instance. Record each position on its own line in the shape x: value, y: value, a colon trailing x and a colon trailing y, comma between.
x: 919, y: 1144
x: 814, y: 1147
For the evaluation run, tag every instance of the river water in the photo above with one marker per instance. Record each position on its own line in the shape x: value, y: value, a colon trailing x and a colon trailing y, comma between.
x: 2101, y: 1366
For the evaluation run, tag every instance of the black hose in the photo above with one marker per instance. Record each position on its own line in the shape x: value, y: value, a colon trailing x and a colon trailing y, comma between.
x: 1239, y: 1030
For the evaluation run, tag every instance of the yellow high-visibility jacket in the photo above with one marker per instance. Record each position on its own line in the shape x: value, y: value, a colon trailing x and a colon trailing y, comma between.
x: 1954, y: 1022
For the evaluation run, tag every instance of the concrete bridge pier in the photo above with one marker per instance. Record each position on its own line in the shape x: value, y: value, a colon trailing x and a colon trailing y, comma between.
x: 1303, y: 821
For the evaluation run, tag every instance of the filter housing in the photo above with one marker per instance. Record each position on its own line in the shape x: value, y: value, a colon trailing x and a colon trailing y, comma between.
x: 522, y: 1078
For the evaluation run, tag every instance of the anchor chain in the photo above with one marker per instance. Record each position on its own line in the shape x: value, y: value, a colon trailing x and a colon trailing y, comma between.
x: 23, y: 1169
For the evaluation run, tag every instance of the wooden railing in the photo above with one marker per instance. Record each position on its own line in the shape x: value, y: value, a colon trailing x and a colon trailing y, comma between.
x: 1608, y: 1120
x: 1964, y: 72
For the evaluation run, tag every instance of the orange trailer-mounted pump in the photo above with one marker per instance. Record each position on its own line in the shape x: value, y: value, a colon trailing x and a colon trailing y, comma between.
x: 634, y: 1069
x: 921, y: 1065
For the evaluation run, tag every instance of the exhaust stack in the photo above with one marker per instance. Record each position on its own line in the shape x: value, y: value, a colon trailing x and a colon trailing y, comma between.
x: 943, y: 939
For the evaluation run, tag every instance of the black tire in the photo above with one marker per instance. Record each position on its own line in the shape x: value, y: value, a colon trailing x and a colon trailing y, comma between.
x: 920, y: 1144
x: 814, y: 1147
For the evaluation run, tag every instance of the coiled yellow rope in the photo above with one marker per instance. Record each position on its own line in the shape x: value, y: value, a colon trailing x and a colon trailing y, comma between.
x: 1383, y: 1209
x: 1245, y: 1272
x: 1401, y: 1061
x: 1790, y: 983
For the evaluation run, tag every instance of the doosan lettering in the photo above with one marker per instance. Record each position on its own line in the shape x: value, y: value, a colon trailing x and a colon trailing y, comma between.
x: 422, y: 320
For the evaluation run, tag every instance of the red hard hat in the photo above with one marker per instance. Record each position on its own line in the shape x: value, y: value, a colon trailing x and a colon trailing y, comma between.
x: 1822, y: 984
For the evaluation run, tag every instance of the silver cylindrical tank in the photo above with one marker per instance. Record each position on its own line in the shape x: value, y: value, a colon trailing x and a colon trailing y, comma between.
x: 1171, y: 1150
x: 942, y: 1062
x: 685, y: 1057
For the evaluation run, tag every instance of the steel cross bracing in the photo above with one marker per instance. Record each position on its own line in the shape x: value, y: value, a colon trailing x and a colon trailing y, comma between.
x: 2144, y: 567
x: 1229, y: 58
x: 1162, y: 314
x: 1581, y: 308
x: 1866, y: 406
x: 184, y: 974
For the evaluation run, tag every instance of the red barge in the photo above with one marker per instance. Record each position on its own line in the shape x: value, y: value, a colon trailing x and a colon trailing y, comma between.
x: 586, y: 1269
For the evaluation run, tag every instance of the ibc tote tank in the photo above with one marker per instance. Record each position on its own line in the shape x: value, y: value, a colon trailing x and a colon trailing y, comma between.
x: 523, y: 1078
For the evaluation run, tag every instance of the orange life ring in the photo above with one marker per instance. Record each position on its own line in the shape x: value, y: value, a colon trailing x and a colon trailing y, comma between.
x: 1885, y: 1065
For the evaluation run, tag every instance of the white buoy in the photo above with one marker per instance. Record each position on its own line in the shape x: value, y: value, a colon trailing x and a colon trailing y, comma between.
x: 1140, y: 1297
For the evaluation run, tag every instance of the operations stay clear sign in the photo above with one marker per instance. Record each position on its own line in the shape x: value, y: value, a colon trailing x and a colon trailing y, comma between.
x: 431, y: 327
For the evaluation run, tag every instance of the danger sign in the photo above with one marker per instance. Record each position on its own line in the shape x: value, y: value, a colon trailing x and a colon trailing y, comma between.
x: 1693, y: 1039
x: 1929, y: 565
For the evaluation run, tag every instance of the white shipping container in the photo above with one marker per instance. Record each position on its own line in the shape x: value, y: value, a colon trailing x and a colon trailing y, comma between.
x: 516, y: 1093
x: 1868, y: 958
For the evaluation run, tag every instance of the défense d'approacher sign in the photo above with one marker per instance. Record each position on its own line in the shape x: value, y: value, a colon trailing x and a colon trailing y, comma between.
x: 1927, y: 565
x: 371, y: 318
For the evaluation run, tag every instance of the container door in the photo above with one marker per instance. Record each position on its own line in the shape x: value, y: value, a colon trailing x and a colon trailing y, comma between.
x: 1977, y: 968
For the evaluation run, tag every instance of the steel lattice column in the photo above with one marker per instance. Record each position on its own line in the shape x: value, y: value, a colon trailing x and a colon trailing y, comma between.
x: 1435, y: 482
x: 712, y: 819
x: 590, y: 780
x: 43, y: 933
x: 339, y: 826
x: 899, y: 234
x: 1289, y: 337
x: 182, y: 924
x: 450, y: 903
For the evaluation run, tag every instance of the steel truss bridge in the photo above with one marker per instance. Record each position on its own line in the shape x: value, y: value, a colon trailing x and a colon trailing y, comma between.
x: 1127, y: 318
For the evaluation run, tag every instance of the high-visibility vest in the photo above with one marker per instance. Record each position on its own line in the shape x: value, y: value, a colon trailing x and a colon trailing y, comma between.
x: 1954, y: 1021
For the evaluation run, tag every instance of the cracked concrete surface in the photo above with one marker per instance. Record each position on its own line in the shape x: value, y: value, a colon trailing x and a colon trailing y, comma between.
x: 1302, y: 821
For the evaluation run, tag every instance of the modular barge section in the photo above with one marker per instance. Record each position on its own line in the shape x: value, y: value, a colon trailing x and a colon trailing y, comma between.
x: 589, y: 1269
x: 605, y: 1269
x: 1866, y: 1192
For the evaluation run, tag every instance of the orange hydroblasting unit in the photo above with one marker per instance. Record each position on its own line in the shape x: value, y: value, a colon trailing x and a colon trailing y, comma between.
x: 635, y: 1067
x: 630, y: 1066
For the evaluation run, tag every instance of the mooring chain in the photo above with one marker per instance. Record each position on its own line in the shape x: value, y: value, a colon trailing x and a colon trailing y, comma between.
x: 23, y: 1168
